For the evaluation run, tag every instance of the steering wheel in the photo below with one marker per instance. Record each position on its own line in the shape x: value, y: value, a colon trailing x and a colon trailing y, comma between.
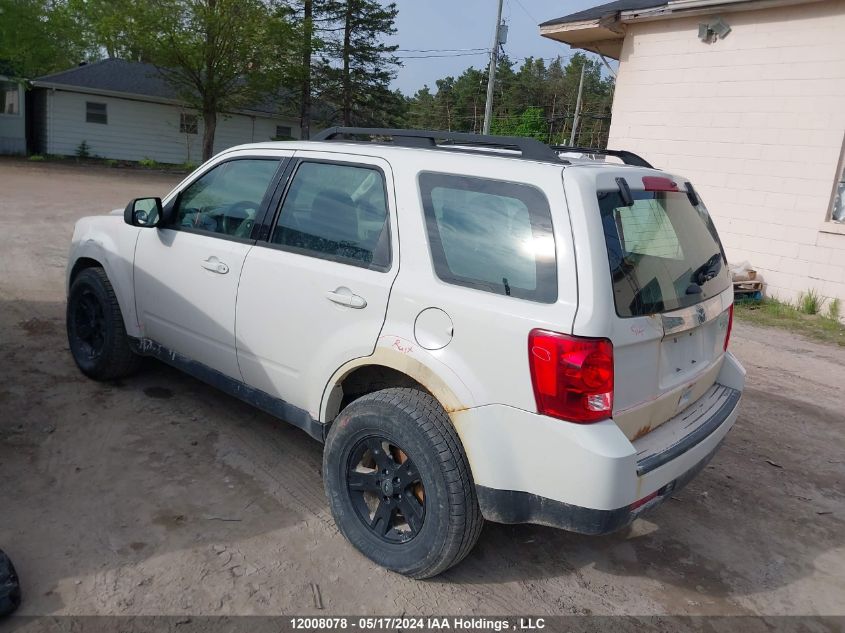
x: 243, y: 211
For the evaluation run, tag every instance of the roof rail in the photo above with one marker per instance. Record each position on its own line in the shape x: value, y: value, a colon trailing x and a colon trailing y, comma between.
x: 529, y: 148
x: 629, y: 158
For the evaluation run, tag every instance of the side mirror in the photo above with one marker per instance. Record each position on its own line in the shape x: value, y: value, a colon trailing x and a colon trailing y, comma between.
x: 144, y: 212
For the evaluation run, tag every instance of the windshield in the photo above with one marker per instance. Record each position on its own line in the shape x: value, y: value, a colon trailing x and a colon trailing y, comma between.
x: 664, y: 253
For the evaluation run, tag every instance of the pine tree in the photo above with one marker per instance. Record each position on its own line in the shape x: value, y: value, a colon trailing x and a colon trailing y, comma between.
x: 357, y: 66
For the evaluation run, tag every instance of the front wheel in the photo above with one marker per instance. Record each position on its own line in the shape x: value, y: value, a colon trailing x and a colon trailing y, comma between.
x: 95, y: 331
x: 399, y: 485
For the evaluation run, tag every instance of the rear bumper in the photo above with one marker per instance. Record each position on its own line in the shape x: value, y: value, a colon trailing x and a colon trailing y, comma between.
x: 530, y: 468
x: 511, y: 506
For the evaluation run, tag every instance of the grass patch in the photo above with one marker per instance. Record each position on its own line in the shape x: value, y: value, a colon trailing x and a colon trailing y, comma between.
x: 782, y: 314
x: 810, y: 302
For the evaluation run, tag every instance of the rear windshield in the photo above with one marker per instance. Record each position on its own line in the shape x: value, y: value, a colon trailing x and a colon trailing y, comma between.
x: 664, y: 253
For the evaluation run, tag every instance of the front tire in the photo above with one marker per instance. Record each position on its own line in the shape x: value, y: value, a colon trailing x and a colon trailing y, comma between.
x: 399, y: 485
x: 95, y: 330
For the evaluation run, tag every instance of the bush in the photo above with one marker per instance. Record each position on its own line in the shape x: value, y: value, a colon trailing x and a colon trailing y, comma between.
x: 110, y: 162
x: 810, y: 302
x: 36, y: 158
x: 834, y: 309
x: 83, y: 150
x: 189, y: 166
x: 149, y: 163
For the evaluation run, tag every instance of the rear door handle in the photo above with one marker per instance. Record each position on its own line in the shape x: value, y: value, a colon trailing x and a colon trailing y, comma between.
x: 345, y: 297
x: 215, y: 265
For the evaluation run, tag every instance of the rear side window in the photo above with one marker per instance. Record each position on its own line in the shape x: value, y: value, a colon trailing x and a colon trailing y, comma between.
x: 490, y: 235
x: 338, y: 212
x: 664, y: 253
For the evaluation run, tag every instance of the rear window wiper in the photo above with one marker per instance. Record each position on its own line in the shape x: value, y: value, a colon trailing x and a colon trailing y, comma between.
x: 707, y: 271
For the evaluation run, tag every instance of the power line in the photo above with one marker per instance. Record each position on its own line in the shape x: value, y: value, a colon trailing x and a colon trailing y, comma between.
x: 440, y: 50
x: 521, y: 6
x: 444, y: 55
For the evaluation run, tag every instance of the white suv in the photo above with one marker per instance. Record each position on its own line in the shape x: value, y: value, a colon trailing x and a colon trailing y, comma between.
x: 475, y: 326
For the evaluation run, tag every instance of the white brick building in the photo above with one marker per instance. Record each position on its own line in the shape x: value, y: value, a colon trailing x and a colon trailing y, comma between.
x: 756, y: 119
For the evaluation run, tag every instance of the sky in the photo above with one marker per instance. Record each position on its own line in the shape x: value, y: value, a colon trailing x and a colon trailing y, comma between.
x: 448, y: 27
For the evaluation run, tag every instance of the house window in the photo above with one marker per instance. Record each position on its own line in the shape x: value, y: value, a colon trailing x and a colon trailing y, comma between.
x: 95, y: 112
x: 9, y: 98
x: 284, y: 131
x: 188, y: 123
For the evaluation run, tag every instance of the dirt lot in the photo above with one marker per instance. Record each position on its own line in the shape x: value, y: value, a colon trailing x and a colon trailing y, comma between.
x: 158, y: 494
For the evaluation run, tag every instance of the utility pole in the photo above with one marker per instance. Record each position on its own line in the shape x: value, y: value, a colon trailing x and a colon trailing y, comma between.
x: 491, y: 76
x: 577, y: 106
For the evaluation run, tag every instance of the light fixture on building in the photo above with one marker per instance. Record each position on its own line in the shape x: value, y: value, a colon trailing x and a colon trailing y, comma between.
x: 714, y: 29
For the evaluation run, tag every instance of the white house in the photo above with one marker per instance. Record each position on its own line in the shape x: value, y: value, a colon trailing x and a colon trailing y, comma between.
x: 12, y: 116
x: 127, y: 111
x: 747, y: 98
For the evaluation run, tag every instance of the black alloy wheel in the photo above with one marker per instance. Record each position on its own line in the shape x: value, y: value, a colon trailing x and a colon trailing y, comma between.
x: 386, y: 489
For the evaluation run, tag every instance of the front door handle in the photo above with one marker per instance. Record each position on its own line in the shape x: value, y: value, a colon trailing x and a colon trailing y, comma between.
x: 345, y: 297
x: 215, y: 265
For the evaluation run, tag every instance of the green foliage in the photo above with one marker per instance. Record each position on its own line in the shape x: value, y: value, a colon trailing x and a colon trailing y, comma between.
x: 772, y: 312
x: 83, y: 150
x: 534, y: 100
x: 834, y: 309
x: 810, y: 302
x: 110, y: 162
x: 38, y: 37
x: 189, y: 166
x: 356, y: 66
x: 36, y: 158
x: 147, y: 162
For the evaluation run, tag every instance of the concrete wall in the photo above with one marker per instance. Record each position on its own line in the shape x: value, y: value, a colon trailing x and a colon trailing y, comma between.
x: 757, y: 122
x: 139, y: 129
x: 13, y: 126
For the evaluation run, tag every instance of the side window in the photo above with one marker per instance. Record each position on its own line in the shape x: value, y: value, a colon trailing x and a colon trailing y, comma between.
x: 490, y: 235
x: 336, y: 212
x: 226, y: 199
x: 96, y: 113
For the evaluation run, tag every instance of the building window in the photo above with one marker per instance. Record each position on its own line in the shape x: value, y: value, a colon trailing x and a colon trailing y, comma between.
x: 188, y: 123
x: 95, y: 112
x: 9, y: 98
x: 284, y: 132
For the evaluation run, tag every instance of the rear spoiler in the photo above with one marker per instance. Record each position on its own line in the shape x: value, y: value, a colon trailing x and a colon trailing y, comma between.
x: 629, y: 158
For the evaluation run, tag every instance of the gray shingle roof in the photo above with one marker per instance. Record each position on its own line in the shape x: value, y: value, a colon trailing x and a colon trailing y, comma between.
x: 116, y: 75
x: 133, y: 78
x: 604, y: 9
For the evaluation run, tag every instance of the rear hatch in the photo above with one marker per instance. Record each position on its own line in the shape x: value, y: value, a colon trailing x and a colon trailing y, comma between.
x: 671, y: 294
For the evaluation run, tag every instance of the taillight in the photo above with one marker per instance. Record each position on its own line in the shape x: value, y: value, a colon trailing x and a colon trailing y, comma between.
x: 572, y: 376
x: 730, y: 326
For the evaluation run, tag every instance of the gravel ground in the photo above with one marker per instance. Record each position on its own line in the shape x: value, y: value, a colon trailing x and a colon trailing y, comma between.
x: 160, y: 495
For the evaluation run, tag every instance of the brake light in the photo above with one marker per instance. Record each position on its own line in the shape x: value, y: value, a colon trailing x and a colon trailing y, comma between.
x: 659, y: 183
x: 730, y: 326
x: 572, y: 376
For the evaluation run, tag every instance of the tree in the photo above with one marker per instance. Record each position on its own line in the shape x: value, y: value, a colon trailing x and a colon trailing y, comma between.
x: 357, y: 66
x: 307, y: 47
x: 219, y: 55
x: 38, y: 37
x: 536, y: 100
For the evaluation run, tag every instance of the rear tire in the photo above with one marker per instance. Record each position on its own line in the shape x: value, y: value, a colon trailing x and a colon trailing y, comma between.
x: 399, y: 485
x: 95, y: 330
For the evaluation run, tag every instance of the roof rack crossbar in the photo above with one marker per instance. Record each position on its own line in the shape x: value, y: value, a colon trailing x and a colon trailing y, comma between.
x: 529, y: 148
x: 629, y: 158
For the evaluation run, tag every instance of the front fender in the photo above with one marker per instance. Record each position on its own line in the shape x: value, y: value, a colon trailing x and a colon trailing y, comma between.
x: 109, y: 242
